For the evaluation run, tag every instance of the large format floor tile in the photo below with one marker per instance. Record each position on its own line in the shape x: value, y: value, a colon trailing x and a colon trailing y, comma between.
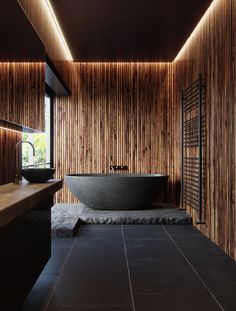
x: 176, y: 230
x: 216, y: 268
x: 135, y: 268
x: 166, y: 302
x: 95, y: 273
x: 144, y: 232
x: 40, y: 293
x: 164, y: 250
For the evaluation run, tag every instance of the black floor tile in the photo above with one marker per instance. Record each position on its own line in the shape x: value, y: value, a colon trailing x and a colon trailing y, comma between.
x: 182, y: 230
x: 175, y: 280
x: 57, y: 260
x: 151, y: 276
x: 215, y: 268
x: 97, y: 254
x: 62, y: 242
x: 226, y: 296
x: 171, y: 287
x: 95, y: 274
x: 40, y: 293
x: 100, y: 232
x: 162, y: 250
x: 96, y: 284
x: 172, y: 302
x: 105, y: 286
x: 207, y: 257
x: 198, y: 245
x: 91, y: 253
x: 144, y: 232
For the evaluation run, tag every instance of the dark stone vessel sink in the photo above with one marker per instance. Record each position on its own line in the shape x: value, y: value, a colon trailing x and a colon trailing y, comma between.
x: 37, y: 175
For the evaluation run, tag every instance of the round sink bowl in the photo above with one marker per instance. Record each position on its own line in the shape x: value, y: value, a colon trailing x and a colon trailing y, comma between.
x: 37, y: 175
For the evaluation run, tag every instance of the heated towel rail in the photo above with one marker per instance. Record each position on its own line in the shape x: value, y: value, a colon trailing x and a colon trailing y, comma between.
x: 193, y: 139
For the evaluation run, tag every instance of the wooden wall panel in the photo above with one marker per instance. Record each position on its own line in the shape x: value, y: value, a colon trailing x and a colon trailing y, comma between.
x: 211, y: 51
x: 22, y: 91
x: 118, y: 113
x: 8, y: 141
x: 40, y: 18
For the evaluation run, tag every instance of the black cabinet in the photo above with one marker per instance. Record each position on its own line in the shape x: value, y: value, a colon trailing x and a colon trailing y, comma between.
x: 25, y: 247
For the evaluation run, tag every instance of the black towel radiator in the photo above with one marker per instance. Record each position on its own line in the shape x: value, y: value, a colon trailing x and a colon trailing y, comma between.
x: 193, y: 140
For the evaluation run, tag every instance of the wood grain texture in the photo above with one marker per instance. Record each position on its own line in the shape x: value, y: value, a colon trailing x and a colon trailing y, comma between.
x: 211, y: 51
x: 8, y: 141
x: 16, y: 199
x: 39, y: 16
x: 118, y: 114
x: 22, y: 91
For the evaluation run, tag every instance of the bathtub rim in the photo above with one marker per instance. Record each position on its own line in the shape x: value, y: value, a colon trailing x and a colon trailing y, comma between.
x: 129, y: 175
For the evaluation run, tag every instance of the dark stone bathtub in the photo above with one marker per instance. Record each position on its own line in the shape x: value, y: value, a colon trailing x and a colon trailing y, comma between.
x: 116, y: 191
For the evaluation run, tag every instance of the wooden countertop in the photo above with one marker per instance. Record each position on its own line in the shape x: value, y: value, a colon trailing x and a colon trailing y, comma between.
x: 15, y: 199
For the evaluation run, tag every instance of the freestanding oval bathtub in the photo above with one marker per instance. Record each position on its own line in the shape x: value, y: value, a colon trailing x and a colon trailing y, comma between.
x: 116, y: 191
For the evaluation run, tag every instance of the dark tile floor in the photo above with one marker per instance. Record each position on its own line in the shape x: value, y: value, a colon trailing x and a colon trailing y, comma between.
x: 139, y: 267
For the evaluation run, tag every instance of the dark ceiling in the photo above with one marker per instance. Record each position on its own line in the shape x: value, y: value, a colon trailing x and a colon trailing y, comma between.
x: 19, y: 41
x: 127, y: 30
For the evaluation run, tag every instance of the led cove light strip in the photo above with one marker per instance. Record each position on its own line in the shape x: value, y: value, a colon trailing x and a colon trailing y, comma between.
x: 59, y: 30
x: 10, y: 130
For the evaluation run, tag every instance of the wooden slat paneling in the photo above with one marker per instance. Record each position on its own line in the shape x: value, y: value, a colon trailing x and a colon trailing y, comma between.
x: 8, y: 141
x: 22, y: 91
x: 119, y: 113
x: 211, y: 51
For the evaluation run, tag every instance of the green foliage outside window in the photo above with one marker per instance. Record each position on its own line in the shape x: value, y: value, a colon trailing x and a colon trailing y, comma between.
x: 39, y: 142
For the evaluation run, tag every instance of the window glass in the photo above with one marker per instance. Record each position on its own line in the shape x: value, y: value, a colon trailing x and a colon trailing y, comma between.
x: 41, y: 142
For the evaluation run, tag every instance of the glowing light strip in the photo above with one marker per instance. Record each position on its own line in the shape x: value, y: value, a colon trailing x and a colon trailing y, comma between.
x: 59, y: 30
x: 10, y: 130
x: 124, y: 63
x: 196, y: 29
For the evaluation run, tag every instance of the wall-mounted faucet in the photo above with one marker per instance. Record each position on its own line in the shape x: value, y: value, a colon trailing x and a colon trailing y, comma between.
x: 119, y: 168
x: 17, y: 175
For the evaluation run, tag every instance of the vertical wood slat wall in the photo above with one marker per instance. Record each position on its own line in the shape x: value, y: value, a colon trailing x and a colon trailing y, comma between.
x: 22, y: 91
x: 211, y: 51
x: 8, y: 141
x: 119, y: 113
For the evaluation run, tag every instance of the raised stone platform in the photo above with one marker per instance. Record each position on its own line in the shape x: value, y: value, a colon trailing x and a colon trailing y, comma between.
x: 66, y: 218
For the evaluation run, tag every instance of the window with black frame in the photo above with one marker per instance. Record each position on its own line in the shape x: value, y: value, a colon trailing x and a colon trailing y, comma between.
x: 42, y: 141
